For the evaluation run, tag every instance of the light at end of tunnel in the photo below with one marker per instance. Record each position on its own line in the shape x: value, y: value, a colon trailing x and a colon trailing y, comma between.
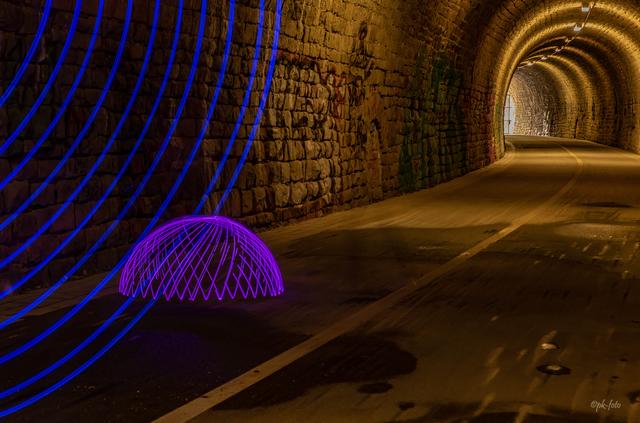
x: 585, y: 7
x: 543, y: 58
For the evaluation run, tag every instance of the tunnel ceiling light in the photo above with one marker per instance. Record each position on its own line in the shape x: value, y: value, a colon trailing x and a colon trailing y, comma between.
x: 586, y: 7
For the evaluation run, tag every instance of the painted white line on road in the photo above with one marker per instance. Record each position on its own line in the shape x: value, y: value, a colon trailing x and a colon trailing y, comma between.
x: 349, y: 323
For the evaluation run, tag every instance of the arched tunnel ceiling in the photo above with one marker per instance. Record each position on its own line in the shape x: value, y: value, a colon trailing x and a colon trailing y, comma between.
x: 565, y: 82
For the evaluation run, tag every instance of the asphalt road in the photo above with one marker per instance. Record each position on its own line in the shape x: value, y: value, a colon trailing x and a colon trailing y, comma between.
x: 510, y: 294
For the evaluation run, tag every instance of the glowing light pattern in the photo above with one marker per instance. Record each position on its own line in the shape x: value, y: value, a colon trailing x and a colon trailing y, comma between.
x: 200, y: 257
x: 82, y: 260
x: 83, y: 132
x: 190, y: 282
x: 61, y: 382
x: 87, y: 255
x: 35, y: 43
x: 52, y: 125
x: 63, y: 54
x: 71, y: 313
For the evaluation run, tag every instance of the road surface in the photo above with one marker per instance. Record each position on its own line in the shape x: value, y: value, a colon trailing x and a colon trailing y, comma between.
x: 510, y: 294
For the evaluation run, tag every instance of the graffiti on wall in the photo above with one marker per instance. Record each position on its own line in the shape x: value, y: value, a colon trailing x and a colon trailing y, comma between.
x: 313, y: 98
x: 366, y: 111
x: 434, y: 144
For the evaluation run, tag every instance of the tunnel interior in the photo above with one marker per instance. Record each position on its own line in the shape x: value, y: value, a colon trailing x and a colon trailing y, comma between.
x: 509, y: 115
x: 368, y: 100
x: 223, y: 157
x: 573, y: 67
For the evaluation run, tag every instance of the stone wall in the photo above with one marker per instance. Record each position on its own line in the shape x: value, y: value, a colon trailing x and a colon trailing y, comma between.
x: 370, y: 99
x: 540, y: 108
x: 555, y: 104
x: 17, y: 25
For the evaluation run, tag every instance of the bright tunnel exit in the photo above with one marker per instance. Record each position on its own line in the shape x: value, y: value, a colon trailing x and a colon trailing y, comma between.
x: 509, y: 115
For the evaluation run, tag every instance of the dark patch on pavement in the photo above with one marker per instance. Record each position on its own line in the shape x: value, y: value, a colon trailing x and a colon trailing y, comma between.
x: 510, y: 417
x: 406, y: 405
x: 634, y: 397
x: 365, y: 298
x: 375, y: 388
x: 348, y: 359
x: 465, y: 413
x: 176, y: 353
x: 608, y: 204
x: 398, y: 244
x: 554, y: 369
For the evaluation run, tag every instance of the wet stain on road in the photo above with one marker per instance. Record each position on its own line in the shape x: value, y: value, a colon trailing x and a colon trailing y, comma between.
x: 554, y: 369
x: 375, y: 388
x: 608, y: 204
x: 365, y: 298
x: 634, y: 397
x: 175, y: 354
x: 348, y: 359
x: 406, y: 405
x: 465, y: 413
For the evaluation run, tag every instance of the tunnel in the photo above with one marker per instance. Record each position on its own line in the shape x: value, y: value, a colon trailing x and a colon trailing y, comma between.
x: 323, y: 211
x: 568, y: 83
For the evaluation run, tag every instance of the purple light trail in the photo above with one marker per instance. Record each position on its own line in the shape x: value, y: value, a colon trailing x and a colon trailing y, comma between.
x: 199, y: 257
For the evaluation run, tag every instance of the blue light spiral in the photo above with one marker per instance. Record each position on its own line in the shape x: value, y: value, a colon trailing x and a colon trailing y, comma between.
x: 177, y: 183
x: 35, y: 43
x: 52, y: 78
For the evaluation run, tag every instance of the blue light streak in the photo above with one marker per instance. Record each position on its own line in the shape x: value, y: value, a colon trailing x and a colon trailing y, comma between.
x: 148, y: 306
x: 29, y: 401
x: 25, y: 310
x: 243, y: 109
x: 105, y: 90
x: 18, y: 351
x: 256, y: 123
x: 35, y: 43
x: 45, y: 135
x: 65, y: 49
x: 105, y: 325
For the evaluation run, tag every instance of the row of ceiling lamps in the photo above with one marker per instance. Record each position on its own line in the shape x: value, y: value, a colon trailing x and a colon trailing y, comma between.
x: 578, y: 27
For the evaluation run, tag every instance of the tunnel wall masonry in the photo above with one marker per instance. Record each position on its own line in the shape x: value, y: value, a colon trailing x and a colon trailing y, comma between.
x: 363, y: 107
x: 370, y: 99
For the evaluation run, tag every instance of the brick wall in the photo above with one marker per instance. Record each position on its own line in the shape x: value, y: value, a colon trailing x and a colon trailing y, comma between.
x: 370, y: 99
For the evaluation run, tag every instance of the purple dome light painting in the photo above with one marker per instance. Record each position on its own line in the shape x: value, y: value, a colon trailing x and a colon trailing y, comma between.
x: 201, y: 257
